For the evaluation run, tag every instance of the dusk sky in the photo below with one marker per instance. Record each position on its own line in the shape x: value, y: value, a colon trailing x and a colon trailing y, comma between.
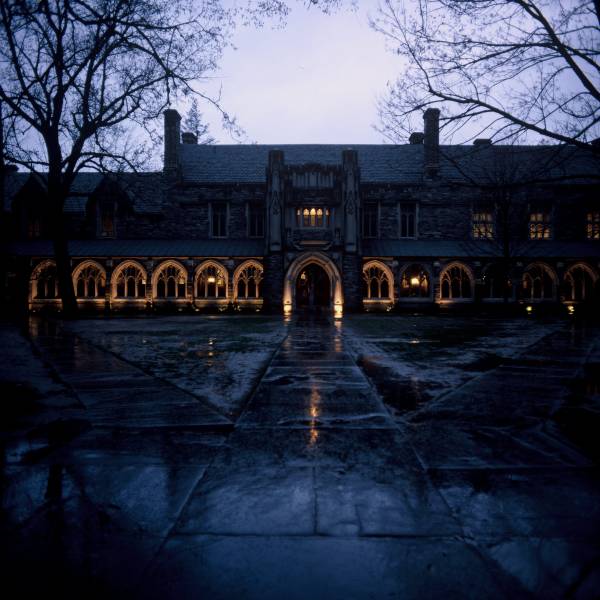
x: 316, y: 80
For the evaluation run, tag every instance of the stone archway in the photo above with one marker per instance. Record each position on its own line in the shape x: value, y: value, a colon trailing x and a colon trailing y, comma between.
x: 300, y: 265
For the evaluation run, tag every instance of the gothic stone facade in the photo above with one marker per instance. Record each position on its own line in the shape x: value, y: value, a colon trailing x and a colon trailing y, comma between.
x: 369, y: 227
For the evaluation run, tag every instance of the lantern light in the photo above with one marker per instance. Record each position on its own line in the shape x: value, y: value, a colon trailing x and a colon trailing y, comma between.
x: 414, y: 281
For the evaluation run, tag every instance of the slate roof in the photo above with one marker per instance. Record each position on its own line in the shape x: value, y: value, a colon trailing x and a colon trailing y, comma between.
x: 144, y: 190
x: 394, y: 164
x: 480, y: 249
x: 143, y: 248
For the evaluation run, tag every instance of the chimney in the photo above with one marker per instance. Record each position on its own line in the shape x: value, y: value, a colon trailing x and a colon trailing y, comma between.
x: 275, y: 157
x: 172, y: 135
x: 482, y: 142
x: 349, y: 157
x: 431, y: 140
x: 187, y: 137
x: 416, y: 138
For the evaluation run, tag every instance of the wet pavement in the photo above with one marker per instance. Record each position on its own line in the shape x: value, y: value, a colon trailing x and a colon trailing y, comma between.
x: 256, y: 457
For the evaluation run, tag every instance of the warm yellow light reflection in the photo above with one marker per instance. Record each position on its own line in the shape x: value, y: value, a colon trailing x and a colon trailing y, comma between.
x: 571, y: 309
x: 314, y: 411
x: 529, y: 309
x: 414, y: 281
x: 287, y: 309
x: 211, y: 279
x: 339, y: 309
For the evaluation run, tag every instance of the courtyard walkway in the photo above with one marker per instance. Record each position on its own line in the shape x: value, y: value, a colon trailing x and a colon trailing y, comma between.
x: 314, y: 479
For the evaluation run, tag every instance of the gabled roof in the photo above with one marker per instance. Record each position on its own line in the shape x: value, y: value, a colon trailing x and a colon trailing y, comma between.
x: 144, y: 190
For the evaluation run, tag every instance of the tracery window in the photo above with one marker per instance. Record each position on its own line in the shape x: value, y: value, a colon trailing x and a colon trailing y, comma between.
x: 211, y: 282
x: 539, y: 225
x: 483, y: 225
x: 90, y: 282
x: 376, y: 282
x: 592, y: 225
x: 414, y: 282
x: 538, y: 283
x: 46, y: 283
x: 408, y: 220
x: 579, y: 284
x: 312, y: 217
x: 131, y: 283
x: 248, y: 282
x: 456, y: 283
x: 170, y: 282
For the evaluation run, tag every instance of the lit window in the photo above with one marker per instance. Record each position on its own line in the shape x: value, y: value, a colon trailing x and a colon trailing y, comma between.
x: 171, y: 283
x: 592, y: 225
x: 312, y: 217
x: 370, y: 214
x: 131, y: 283
x: 90, y: 283
x: 248, y: 282
x: 256, y: 221
x: 539, y: 225
x: 414, y: 283
x: 46, y: 286
x: 456, y: 283
x: 219, y: 220
x: 211, y: 282
x: 408, y: 220
x: 483, y: 225
x: 376, y: 283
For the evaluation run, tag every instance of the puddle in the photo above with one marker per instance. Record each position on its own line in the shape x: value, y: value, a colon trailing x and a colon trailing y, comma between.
x: 401, y: 396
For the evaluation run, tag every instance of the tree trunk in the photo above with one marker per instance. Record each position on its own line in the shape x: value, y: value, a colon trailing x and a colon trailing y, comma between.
x: 62, y: 256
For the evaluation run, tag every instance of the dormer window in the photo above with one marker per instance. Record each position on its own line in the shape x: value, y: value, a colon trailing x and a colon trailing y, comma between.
x: 539, y: 225
x: 312, y: 217
x: 483, y: 225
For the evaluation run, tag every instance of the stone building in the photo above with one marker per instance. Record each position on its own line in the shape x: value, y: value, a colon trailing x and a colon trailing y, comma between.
x: 370, y: 227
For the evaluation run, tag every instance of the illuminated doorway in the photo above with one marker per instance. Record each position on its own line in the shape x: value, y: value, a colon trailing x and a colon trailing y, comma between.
x: 313, y: 288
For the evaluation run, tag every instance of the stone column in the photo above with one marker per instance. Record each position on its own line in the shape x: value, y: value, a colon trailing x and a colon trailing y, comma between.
x: 275, y: 198
x: 350, y: 191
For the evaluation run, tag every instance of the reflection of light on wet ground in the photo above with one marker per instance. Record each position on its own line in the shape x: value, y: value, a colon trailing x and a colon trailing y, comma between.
x: 314, y: 411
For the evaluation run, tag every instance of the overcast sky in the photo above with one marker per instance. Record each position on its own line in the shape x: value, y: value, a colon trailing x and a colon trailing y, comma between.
x: 316, y: 80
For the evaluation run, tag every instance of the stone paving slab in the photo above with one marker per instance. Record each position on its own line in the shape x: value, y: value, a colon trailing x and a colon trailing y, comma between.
x: 267, y: 568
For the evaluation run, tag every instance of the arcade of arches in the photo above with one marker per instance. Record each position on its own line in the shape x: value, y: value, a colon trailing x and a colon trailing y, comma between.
x: 312, y: 281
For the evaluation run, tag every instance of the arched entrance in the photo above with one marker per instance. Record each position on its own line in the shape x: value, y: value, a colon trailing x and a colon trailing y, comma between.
x: 321, y: 285
x: 313, y: 289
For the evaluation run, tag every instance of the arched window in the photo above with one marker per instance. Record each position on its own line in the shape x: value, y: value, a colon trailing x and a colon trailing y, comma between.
x: 377, y: 282
x: 415, y: 282
x: 170, y: 282
x: 248, y: 281
x: 456, y: 283
x: 538, y: 283
x: 89, y: 281
x: 130, y: 282
x: 496, y: 284
x: 579, y: 283
x: 211, y: 281
x: 45, y: 282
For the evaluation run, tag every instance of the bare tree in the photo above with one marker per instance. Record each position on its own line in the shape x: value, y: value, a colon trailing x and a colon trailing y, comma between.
x: 506, y: 68
x: 194, y: 123
x: 78, y: 76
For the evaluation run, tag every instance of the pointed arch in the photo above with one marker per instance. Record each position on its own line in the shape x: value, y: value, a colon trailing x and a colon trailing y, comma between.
x: 539, y: 282
x: 579, y: 282
x: 89, y: 280
x: 247, y: 280
x: 378, y: 283
x: 43, y: 283
x: 169, y: 281
x: 128, y: 281
x: 457, y: 283
x: 211, y: 280
x: 296, y: 267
